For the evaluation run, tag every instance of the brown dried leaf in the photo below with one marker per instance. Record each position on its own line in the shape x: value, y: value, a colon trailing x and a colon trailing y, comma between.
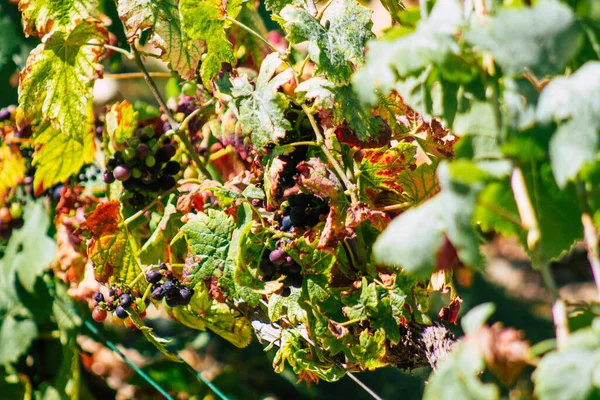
x: 450, y: 313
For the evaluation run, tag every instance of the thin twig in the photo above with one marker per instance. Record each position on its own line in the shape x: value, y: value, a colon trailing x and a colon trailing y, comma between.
x: 590, y: 235
x: 137, y: 75
x: 322, y: 10
x: 399, y: 206
x: 251, y: 31
x: 113, y: 48
x: 149, y: 206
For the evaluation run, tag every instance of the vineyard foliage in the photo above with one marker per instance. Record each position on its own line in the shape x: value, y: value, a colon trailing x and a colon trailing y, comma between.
x: 309, y: 189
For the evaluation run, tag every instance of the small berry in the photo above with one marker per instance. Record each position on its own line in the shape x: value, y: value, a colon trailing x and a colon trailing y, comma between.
x: 277, y: 256
x: 172, y: 167
x: 120, y: 312
x: 186, y: 295
x: 286, y: 223
x: 169, y: 287
x: 142, y: 150
x: 153, y: 276
x: 158, y: 293
x: 125, y: 300
x: 121, y: 173
x: 98, y: 297
x: 99, y: 314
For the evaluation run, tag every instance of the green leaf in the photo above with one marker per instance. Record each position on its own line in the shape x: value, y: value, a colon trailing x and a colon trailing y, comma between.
x: 46, y: 16
x: 205, y: 20
x: 413, y: 239
x: 479, y: 120
x: 576, y: 99
x: 262, y: 109
x: 542, y: 38
x: 16, y: 337
x: 419, y: 184
x: 57, y: 81
x: 157, y: 248
x: 432, y: 44
x: 571, y: 373
x: 457, y: 377
x: 121, y: 123
x: 209, y: 237
x: 30, y: 251
x: 337, y: 48
x: 380, y: 168
x: 497, y: 210
x: 557, y: 211
x: 163, y: 20
x: 277, y: 5
x: 371, y: 350
x: 477, y: 317
x: 61, y: 156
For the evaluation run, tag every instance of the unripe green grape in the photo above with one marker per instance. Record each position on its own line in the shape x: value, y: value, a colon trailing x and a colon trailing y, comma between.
x: 189, y: 88
x: 16, y: 210
x: 136, y: 173
x: 150, y: 161
x: 129, y: 153
x: 148, y: 131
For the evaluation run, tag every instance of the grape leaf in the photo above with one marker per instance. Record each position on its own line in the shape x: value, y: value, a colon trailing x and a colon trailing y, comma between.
x: 338, y: 47
x: 457, y: 377
x: 163, y: 20
x: 420, y: 184
x: 158, y: 247
x: 56, y: 83
x: 542, y: 38
x: 209, y: 237
x: 157, y: 341
x: 432, y: 44
x: 497, y: 211
x: 121, y: 123
x: 255, y: 49
x: 571, y: 373
x: 576, y: 99
x: 112, y: 250
x: 262, y: 109
x: 380, y: 168
x: 218, y: 317
x: 413, y: 239
x: 61, y: 156
x: 16, y: 336
x: 12, y: 166
x: 42, y: 17
x: 371, y: 350
x: 205, y: 20
x: 345, y: 104
x: 277, y: 5
x: 30, y: 251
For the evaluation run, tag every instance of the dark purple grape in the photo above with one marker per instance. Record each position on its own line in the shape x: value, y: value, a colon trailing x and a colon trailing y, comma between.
x: 17, y: 223
x: 286, y: 210
x: 163, y: 266
x: 267, y: 268
x: 293, y: 280
x: 168, y: 275
x: 297, y: 216
x: 4, y: 114
x: 144, y: 138
x: 111, y: 292
x: 125, y: 300
x: 277, y: 256
x: 112, y: 162
x: 172, y: 167
x: 173, y: 299
x: 186, y: 295
x: 118, y: 156
x: 98, y: 297
x: 285, y: 292
x: 99, y: 130
x: 153, y: 276
x: 292, y: 269
x: 169, y: 288
x: 158, y: 293
x: 122, y: 173
x: 108, y: 177
x: 142, y: 151
x: 130, y: 184
x: 286, y: 223
x: 138, y: 199
x: 120, y: 312
x: 170, y: 150
x: 167, y: 182
x: 161, y: 155
x: 57, y: 192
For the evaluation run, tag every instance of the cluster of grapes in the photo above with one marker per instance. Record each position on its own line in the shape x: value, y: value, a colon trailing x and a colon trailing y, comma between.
x: 118, y: 302
x: 11, y: 217
x: 144, y: 166
x: 277, y: 263
x: 174, y: 293
x: 301, y: 210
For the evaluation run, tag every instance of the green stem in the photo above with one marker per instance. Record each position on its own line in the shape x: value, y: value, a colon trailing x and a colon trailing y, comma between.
x: 251, y: 31
x: 136, y: 280
x: 146, y: 293
x: 149, y: 206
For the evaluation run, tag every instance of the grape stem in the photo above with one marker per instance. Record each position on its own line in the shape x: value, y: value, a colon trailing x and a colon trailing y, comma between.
x: 149, y: 206
x: 137, y: 75
x: 182, y: 133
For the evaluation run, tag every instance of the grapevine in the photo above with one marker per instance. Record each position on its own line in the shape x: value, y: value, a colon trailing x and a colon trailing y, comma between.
x: 319, y: 189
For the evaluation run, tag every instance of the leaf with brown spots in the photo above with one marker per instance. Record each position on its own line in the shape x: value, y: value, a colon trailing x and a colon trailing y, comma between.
x: 380, y: 168
x: 112, y: 250
x: 318, y: 180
